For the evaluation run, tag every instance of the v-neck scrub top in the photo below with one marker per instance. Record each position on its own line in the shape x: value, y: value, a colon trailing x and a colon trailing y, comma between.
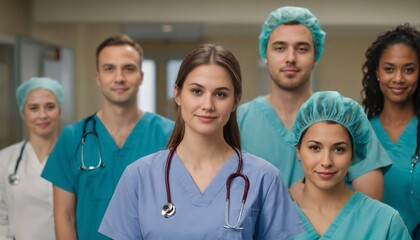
x: 402, y: 188
x: 94, y: 189
x: 264, y: 134
x: 135, y: 209
x: 26, y: 209
x: 360, y: 218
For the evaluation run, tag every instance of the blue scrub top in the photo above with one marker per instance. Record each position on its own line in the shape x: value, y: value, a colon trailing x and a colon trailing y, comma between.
x: 94, y: 189
x: 360, y: 218
x: 264, y: 134
x: 135, y: 209
x: 402, y: 188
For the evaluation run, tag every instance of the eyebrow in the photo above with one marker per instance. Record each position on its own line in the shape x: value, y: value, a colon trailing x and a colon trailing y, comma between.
x: 286, y: 43
x: 201, y: 86
x: 335, y: 144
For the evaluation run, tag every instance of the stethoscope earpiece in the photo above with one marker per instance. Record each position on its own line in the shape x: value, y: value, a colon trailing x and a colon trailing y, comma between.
x: 168, y: 210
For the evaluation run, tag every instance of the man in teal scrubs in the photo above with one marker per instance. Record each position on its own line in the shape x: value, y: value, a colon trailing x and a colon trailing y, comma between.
x: 291, y: 43
x: 91, y: 154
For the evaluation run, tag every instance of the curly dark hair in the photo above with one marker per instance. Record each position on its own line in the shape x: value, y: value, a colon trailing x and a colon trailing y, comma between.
x: 373, y: 98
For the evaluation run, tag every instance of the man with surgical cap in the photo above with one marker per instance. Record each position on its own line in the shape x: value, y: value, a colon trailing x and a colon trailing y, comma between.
x: 291, y: 43
x: 26, y: 199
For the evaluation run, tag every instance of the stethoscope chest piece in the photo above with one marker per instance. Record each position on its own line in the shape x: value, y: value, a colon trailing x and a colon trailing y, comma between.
x: 14, y: 179
x: 168, y: 210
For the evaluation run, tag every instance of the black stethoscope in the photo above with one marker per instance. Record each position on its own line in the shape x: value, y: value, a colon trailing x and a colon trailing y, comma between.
x: 14, y: 177
x: 168, y: 209
x: 84, y: 136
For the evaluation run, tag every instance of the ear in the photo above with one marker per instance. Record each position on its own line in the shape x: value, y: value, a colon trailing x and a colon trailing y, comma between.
x: 237, y: 102
x: 298, y: 154
x: 141, y: 77
x: 98, y: 81
x: 177, y: 97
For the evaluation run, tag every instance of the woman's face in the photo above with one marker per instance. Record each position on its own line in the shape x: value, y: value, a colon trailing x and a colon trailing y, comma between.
x: 326, y: 154
x: 41, y: 112
x: 398, y: 74
x: 206, y: 100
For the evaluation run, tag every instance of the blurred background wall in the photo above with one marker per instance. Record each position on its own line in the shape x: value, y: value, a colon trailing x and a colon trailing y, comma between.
x: 58, y: 38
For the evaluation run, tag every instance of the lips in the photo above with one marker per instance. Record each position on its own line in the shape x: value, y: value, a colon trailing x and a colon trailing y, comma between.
x: 120, y: 89
x: 398, y: 90
x: 325, y: 174
x: 206, y: 118
x: 290, y: 72
x: 43, y: 125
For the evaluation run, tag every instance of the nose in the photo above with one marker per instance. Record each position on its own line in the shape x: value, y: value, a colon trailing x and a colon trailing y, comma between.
x: 208, y: 104
x: 120, y: 77
x: 43, y: 113
x: 326, y: 161
x: 290, y: 56
x: 398, y: 77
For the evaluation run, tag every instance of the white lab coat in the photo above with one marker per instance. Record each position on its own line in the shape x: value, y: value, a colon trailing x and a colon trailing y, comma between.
x: 26, y: 209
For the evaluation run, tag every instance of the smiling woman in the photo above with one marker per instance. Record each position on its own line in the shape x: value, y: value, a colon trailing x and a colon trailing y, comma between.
x: 204, y: 173
x: 329, y: 132
x: 26, y: 206
x: 392, y: 103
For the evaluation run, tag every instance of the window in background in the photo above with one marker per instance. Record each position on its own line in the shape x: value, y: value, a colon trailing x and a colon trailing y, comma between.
x: 147, y: 92
x: 172, y: 69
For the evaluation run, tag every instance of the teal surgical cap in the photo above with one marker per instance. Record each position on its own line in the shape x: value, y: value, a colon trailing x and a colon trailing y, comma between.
x: 292, y: 14
x: 26, y: 87
x: 331, y: 106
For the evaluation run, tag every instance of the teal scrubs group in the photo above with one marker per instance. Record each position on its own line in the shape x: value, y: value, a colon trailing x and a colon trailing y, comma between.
x: 135, y: 209
x: 360, y: 218
x: 93, y: 189
x: 264, y: 134
x: 402, y: 184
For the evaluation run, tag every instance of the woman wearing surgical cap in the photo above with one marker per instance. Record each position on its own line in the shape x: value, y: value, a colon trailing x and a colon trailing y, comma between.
x: 26, y: 202
x: 392, y: 103
x: 330, y: 132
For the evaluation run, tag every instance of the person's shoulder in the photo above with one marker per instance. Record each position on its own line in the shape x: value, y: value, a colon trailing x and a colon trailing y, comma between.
x: 149, y: 161
x: 12, y: 147
x: 250, y: 105
x: 157, y: 120
x: 256, y: 163
x: 374, y: 206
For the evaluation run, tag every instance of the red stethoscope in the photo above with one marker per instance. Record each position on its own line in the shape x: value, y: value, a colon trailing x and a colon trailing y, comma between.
x: 168, y: 209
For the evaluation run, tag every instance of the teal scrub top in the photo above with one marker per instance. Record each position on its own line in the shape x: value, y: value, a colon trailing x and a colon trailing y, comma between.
x: 93, y: 189
x: 360, y: 218
x: 402, y: 187
x: 135, y: 209
x: 264, y: 134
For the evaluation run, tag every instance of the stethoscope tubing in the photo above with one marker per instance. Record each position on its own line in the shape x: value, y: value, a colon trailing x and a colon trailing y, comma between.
x: 168, y: 209
x: 13, y: 178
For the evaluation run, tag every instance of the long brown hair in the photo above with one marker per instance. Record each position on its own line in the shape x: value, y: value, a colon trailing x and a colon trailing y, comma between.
x: 210, y: 54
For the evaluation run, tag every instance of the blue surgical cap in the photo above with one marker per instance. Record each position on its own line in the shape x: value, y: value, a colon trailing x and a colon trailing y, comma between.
x: 26, y: 87
x: 292, y: 14
x: 331, y: 106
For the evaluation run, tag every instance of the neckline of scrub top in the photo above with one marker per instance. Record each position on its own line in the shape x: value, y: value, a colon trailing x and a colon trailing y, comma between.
x: 142, y: 122
x: 215, y: 187
x: 412, y: 124
x: 272, y: 117
x: 338, y: 220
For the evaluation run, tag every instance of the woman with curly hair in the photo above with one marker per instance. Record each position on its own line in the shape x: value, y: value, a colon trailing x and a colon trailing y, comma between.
x: 391, y: 100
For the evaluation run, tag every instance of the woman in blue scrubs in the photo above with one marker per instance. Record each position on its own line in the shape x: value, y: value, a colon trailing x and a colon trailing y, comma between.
x: 205, y: 149
x: 392, y: 103
x: 330, y: 132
